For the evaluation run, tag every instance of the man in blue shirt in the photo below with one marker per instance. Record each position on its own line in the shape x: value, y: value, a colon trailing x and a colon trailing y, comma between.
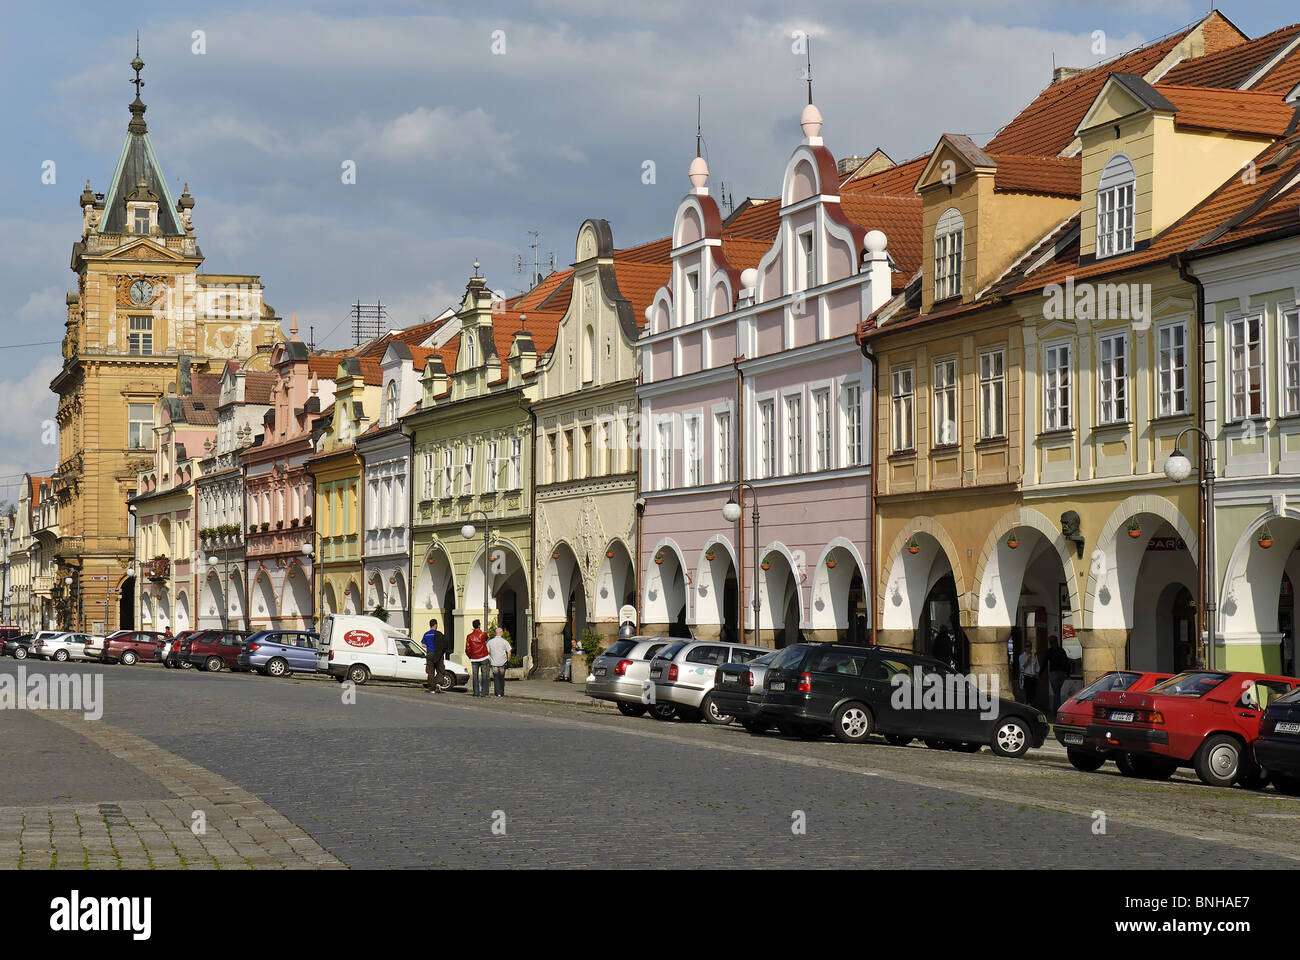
x: 435, y: 650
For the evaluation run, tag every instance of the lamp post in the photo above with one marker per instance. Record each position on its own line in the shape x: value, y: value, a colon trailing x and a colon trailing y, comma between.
x: 468, y: 531
x: 732, y: 511
x: 212, y: 562
x: 67, y: 590
x: 307, y: 551
x: 1178, y: 467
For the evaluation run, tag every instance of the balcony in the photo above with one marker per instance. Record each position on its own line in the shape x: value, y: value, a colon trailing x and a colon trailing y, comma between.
x: 159, y: 568
x: 43, y: 586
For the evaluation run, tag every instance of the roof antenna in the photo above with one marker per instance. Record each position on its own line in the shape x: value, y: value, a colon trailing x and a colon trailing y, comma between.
x: 808, y: 50
x: 697, y: 124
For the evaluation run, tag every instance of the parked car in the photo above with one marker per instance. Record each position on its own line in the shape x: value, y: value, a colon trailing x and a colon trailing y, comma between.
x: 19, y: 647
x: 739, y: 691
x: 1074, y: 715
x: 61, y: 646
x: 621, y: 675
x: 850, y: 691
x: 174, y: 651
x: 128, y: 647
x: 1204, y: 719
x: 1277, y: 750
x: 9, y: 632
x: 95, y: 645
x: 360, y: 648
x: 214, y: 650
x: 684, y: 673
x: 277, y: 653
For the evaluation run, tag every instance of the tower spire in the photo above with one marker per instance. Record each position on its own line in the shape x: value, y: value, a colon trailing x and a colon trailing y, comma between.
x: 808, y: 51
x: 137, y: 124
x: 698, y: 99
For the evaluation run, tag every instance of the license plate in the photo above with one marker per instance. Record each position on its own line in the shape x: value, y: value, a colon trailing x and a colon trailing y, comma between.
x: 778, y: 685
x: 1286, y: 727
x: 600, y: 671
x: 730, y: 678
x: 1072, y: 737
x: 656, y: 671
x: 1121, y: 716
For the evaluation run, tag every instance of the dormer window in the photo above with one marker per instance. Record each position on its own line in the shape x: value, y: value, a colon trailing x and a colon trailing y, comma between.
x: 390, y: 404
x: 806, y: 263
x: 1115, y: 206
x: 948, y: 234
x: 469, y: 350
x: 691, y: 305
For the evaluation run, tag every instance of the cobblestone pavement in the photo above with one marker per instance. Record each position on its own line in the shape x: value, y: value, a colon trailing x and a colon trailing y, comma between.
x: 401, y: 778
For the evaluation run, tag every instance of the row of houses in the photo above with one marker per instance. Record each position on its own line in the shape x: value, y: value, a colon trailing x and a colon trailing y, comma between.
x: 932, y: 403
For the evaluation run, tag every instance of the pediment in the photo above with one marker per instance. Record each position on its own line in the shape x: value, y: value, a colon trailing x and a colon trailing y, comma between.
x: 946, y: 164
x: 143, y: 249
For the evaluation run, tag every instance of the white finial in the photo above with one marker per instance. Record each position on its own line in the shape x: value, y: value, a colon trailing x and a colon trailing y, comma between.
x: 699, y: 175
x: 811, y: 122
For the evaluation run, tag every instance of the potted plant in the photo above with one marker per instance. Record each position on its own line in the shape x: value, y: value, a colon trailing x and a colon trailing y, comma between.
x: 609, y: 554
x: 659, y: 557
x: 266, y: 525
x: 830, y: 564
x: 1013, y: 539
x: 1134, y: 528
x: 380, y: 613
x: 913, y: 546
x: 766, y: 564
x: 1265, y: 538
x: 709, y: 555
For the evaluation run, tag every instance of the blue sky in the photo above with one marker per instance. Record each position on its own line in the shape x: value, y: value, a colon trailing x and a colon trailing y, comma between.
x: 459, y: 151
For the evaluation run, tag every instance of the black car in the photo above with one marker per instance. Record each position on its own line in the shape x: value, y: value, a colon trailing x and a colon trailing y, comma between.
x: 856, y: 691
x: 19, y: 647
x: 1277, y: 749
x: 738, y: 690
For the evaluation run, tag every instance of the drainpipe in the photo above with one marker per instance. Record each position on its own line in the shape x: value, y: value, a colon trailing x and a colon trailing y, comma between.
x: 522, y: 402
x: 1205, y: 611
x: 639, y: 504
x: 870, y: 354
x: 740, y: 499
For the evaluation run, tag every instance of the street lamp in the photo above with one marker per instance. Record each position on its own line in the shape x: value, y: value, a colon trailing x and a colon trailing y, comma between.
x: 212, y: 562
x: 468, y: 531
x: 308, y: 551
x: 732, y: 511
x: 1178, y: 467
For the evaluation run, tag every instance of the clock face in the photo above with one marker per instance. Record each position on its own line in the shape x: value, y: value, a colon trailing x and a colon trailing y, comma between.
x: 141, y: 291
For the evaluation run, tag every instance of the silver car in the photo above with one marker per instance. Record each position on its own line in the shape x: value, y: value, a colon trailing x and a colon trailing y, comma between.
x: 621, y: 674
x: 684, y: 673
x: 62, y: 646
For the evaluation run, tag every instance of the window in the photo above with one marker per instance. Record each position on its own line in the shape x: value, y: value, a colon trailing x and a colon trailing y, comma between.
x: 490, y: 465
x: 1246, y: 358
x: 426, y: 479
x: 1115, y: 206
x: 552, y: 457
x: 588, y: 460
x: 664, y: 456
x: 140, y: 426
x: 608, y: 455
x: 467, y: 471
x: 767, y: 438
x: 692, y: 457
x: 806, y: 277
x: 902, y: 394
x: 691, y: 305
x: 852, y: 424
x: 993, y: 394
x: 948, y: 234
x: 448, y: 473
x: 140, y: 338
x: 945, y: 403
x: 1056, y: 388
x: 516, y: 461
x: 822, y: 450
x: 141, y: 220
x: 722, y: 446
x: 793, y: 435
x: 1291, y: 362
x: 1112, y: 376
x: 469, y: 350
x: 390, y: 404
x: 1171, y: 369
x: 589, y: 355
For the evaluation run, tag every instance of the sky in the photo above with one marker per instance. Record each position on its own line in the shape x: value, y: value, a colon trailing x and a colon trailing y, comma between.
x: 470, y: 125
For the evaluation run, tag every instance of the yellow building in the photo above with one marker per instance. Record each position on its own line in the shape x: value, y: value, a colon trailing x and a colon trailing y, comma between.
x: 140, y: 309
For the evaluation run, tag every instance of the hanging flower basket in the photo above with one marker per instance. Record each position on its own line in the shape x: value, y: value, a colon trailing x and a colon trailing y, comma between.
x: 709, y: 555
x: 609, y: 554
x: 766, y: 564
x: 830, y: 564
x: 1134, y: 529
x: 392, y: 579
x: 913, y: 546
x: 659, y: 557
x: 1265, y: 538
x: 1013, y: 540
x: 555, y: 556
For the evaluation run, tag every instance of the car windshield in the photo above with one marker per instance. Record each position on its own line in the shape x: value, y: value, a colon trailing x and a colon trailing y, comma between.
x: 1292, y: 697
x: 1119, y: 680
x: 1191, y: 684
x: 670, y: 651
x: 619, y: 648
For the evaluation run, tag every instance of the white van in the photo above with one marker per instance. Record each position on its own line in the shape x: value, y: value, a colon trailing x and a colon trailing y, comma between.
x: 360, y: 648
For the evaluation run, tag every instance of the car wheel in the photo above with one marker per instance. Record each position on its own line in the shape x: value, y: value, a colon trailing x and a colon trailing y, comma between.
x: 852, y: 723
x: 277, y: 668
x: 358, y: 674
x: 20, y: 653
x: 632, y: 709
x: 1219, y: 760
x: 662, y: 711
x: 213, y: 664
x: 61, y: 656
x: 1124, y: 761
x: 1011, y: 738
x: 1085, y: 760
x: 1152, y: 768
x: 897, y: 740
x: 128, y: 658
x: 756, y: 727
x: 713, y: 714
x: 1286, y: 783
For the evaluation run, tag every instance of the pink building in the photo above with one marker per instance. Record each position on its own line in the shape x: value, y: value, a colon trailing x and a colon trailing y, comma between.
x: 750, y: 373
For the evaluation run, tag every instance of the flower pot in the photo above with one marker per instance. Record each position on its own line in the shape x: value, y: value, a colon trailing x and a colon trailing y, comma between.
x: 1013, y: 543
x: 913, y: 548
x: 830, y: 564
x: 1266, y: 542
x: 1134, y: 533
x: 609, y: 554
x: 766, y: 565
x: 659, y: 559
x: 708, y: 556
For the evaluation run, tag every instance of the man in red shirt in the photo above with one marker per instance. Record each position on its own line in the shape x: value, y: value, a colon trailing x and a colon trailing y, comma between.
x: 476, y: 651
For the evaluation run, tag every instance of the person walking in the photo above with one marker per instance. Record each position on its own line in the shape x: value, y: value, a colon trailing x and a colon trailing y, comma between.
x: 499, y: 651
x: 1058, y: 670
x: 1029, y: 670
x: 435, y: 651
x: 476, y: 650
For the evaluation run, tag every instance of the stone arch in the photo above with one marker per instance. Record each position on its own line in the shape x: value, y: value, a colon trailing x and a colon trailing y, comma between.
x: 895, y: 591
x: 183, y: 621
x: 666, y: 591
x: 615, y: 582
x: 1110, y: 560
x: 263, y: 607
x: 352, y: 598
x: 1001, y: 570
x: 295, y: 593
x: 711, y: 581
x: 1252, y: 579
x: 829, y: 600
x: 436, y: 578
x: 780, y: 584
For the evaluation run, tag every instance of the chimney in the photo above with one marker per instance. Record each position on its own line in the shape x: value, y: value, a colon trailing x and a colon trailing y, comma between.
x: 875, y: 262
x: 1061, y: 74
x: 523, y: 357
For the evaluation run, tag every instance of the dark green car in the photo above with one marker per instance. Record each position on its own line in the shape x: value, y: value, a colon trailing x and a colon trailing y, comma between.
x: 854, y: 692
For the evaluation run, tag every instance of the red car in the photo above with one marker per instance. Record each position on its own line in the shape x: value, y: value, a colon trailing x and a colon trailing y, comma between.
x: 1204, y: 719
x: 172, y: 651
x: 129, y: 647
x: 1074, y: 715
x: 214, y: 649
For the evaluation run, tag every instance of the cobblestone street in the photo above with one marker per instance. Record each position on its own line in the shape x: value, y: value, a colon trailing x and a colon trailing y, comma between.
x: 284, y: 774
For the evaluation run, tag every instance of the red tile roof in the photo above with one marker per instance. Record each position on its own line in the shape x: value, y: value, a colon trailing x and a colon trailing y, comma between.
x: 1283, y: 78
x: 1231, y: 67
x: 1053, y: 176
x: 257, y: 387
x: 638, y: 281
x: 900, y: 220
x: 899, y: 180
x: 1233, y: 111
x: 655, y: 251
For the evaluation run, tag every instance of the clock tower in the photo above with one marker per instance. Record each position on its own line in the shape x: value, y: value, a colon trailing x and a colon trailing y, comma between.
x: 142, y: 323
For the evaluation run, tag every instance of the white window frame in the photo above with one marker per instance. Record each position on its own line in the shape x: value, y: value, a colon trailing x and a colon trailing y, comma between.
x: 491, y: 463
x: 448, y: 472
x: 765, y: 450
x: 514, y: 475
x: 1058, y: 401
x: 805, y: 249
x: 993, y: 386
x: 664, y: 453
x: 792, y: 421
x: 823, y: 428
x: 949, y: 252
x: 692, y: 450
x: 145, y: 432
x: 1112, y: 379
x: 1116, y: 190
x: 691, y: 302
x: 722, y: 445
x: 854, y: 445
x: 1240, y: 369
x: 139, y: 338
x: 1289, y: 359
x: 944, y: 399
x: 1171, y: 370
x: 902, y: 406
x: 467, y: 470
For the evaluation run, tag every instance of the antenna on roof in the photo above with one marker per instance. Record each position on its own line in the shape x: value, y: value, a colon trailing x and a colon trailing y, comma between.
x: 547, y: 261
x: 808, y: 51
x: 697, y: 124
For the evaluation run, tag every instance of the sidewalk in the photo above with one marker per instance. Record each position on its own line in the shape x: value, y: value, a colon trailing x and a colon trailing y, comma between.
x: 554, y: 692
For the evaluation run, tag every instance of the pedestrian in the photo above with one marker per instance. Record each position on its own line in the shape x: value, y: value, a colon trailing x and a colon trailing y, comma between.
x: 476, y: 650
x: 435, y: 651
x: 499, y: 651
x: 1029, y: 670
x: 1058, y: 670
